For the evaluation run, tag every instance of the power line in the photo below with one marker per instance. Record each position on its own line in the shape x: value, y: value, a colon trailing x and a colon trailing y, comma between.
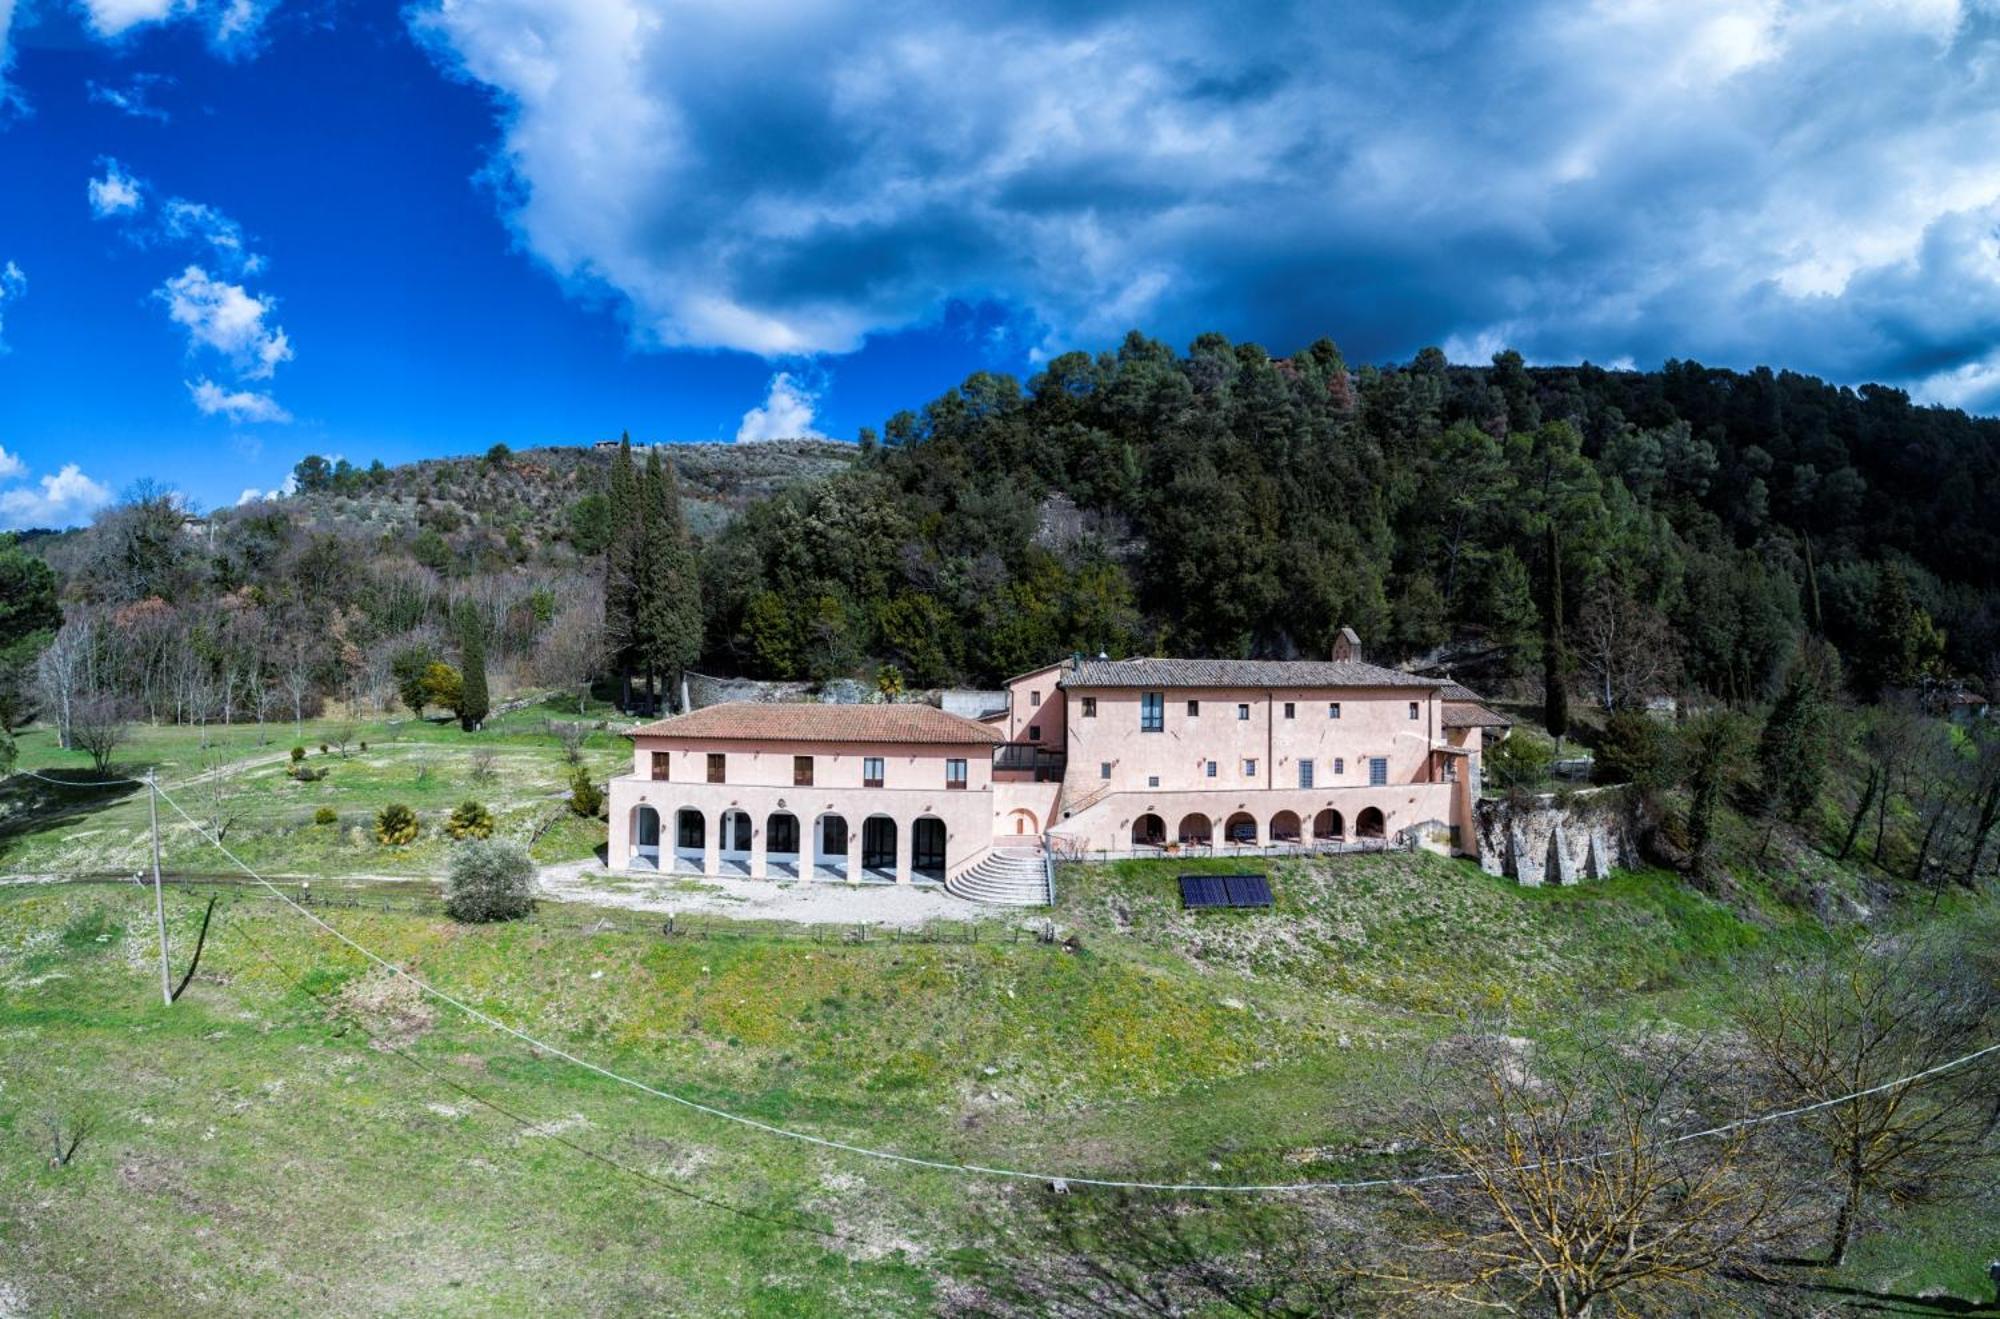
x: 941, y: 1165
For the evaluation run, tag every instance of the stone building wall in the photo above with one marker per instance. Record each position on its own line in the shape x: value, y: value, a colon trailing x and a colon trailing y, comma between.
x: 1559, y: 840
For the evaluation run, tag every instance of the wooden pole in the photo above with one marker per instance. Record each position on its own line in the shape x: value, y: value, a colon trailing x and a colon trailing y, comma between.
x: 159, y: 902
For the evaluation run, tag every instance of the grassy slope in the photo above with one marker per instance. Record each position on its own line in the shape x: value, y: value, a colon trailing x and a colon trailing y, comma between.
x: 254, y: 1154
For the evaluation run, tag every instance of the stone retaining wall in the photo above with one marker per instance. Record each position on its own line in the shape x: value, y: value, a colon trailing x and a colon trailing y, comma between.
x: 1551, y: 840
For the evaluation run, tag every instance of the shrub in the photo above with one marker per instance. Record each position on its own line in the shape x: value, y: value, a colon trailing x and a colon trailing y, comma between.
x: 322, y: 748
x: 298, y: 754
x: 326, y: 815
x: 1520, y: 762
x: 490, y: 880
x: 395, y: 825
x: 364, y: 746
x: 306, y: 774
x: 585, y: 797
x: 469, y: 820
x: 1634, y: 748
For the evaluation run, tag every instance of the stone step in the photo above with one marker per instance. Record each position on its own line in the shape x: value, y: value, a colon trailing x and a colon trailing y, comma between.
x: 1009, y: 878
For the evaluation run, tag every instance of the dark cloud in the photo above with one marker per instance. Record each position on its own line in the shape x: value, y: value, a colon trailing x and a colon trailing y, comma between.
x: 1636, y: 179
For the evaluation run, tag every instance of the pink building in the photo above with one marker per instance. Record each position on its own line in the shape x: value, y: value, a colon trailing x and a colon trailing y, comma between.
x: 1089, y: 755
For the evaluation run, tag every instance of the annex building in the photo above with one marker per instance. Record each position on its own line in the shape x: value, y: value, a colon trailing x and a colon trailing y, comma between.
x: 1086, y: 756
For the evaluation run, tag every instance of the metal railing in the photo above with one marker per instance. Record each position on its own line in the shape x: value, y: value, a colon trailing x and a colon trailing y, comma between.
x: 1069, y: 850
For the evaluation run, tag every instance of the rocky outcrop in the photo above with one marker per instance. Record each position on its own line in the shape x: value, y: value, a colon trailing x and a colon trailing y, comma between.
x: 1559, y: 838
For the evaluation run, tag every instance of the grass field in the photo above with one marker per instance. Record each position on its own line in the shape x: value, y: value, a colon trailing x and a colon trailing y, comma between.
x: 240, y: 773
x: 302, y: 1133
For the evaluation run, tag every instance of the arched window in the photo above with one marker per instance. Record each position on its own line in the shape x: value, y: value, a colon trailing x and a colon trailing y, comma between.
x: 1149, y: 830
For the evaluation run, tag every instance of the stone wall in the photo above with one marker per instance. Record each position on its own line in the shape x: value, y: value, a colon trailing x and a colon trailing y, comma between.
x: 1554, y: 839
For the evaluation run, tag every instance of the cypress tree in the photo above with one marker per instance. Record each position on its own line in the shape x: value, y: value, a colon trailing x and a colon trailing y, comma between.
x: 1555, y: 649
x: 1796, y: 743
x: 669, y: 589
x: 473, y: 702
x: 621, y: 568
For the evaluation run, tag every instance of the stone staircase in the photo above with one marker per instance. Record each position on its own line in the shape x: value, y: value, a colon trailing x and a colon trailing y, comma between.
x: 1009, y: 876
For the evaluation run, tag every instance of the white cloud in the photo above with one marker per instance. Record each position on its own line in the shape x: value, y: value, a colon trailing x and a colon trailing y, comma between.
x: 183, y: 220
x: 239, y: 405
x: 252, y: 494
x: 232, y: 25
x: 11, y: 465
x: 117, y: 193
x: 785, y: 414
x: 228, y: 319
x: 135, y: 97
x: 13, y: 285
x: 61, y: 500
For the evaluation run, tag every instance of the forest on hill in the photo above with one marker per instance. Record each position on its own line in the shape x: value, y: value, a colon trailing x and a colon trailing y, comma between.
x: 1626, y: 533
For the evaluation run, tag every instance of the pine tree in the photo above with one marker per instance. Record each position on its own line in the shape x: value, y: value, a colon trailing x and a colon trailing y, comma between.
x: 1555, y: 647
x: 621, y: 568
x: 473, y: 702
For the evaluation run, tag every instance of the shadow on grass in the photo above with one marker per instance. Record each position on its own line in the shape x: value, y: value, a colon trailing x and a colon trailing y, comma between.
x: 35, y: 805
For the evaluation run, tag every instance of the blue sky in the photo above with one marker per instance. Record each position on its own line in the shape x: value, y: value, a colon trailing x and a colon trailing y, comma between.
x: 233, y: 232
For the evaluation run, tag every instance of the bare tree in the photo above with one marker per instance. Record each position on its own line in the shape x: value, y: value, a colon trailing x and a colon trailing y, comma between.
x: 570, y: 653
x: 569, y: 735
x: 97, y: 725
x: 64, y: 672
x: 1625, y: 646
x: 340, y: 736
x: 1848, y: 1024
x: 66, y: 1136
x: 1568, y: 1191
x: 296, y: 674
x: 220, y: 793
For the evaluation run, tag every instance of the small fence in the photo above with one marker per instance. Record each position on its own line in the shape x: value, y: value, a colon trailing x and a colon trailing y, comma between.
x: 1066, y: 850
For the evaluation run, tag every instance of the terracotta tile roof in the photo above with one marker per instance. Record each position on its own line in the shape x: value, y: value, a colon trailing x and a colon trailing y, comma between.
x: 1469, y: 714
x: 1236, y: 673
x: 765, y: 721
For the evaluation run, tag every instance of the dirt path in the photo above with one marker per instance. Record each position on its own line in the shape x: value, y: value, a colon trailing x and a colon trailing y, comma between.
x: 895, y: 905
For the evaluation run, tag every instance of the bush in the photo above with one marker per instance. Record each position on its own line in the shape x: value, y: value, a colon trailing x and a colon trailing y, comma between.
x: 1634, y: 749
x: 395, y: 825
x: 1520, y: 762
x: 469, y: 820
x: 306, y: 774
x: 322, y: 748
x: 364, y: 746
x: 298, y: 754
x: 585, y: 797
x: 326, y: 815
x: 490, y: 880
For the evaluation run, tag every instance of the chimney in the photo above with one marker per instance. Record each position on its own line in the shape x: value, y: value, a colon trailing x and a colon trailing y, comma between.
x: 1347, y: 646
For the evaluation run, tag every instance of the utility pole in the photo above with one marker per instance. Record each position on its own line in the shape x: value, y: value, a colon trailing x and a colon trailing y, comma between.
x: 159, y: 903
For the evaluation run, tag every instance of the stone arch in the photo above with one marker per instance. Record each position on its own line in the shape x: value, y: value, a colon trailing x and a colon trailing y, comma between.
x: 1241, y: 828
x: 1149, y: 830
x: 645, y: 835
x: 928, y: 839
x: 1285, y: 827
x: 830, y: 845
x: 1328, y: 825
x: 690, y: 839
x: 781, y: 842
x: 1195, y: 830
x: 878, y: 844
x: 1021, y: 821
x: 1369, y: 823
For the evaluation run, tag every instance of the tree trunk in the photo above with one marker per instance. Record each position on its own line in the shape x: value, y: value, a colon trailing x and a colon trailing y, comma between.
x: 1860, y: 812
x: 1850, y: 1209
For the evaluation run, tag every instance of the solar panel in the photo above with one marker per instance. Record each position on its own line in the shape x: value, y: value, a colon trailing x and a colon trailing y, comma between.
x: 1202, y: 891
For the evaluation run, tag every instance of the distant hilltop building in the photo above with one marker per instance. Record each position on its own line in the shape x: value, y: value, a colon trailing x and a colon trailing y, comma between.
x: 1134, y: 756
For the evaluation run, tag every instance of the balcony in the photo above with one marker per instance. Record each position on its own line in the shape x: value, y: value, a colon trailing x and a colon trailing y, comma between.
x: 1019, y: 758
